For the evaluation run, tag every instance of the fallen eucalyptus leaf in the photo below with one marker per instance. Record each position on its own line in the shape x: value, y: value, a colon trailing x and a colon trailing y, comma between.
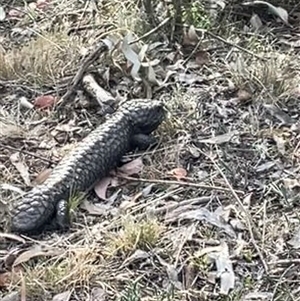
x: 221, y: 138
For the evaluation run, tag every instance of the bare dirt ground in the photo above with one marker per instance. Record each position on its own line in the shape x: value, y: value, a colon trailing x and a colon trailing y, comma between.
x: 212, y: 212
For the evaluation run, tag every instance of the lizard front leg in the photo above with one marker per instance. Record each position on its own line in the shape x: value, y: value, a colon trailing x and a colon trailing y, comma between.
x: 143, y: 141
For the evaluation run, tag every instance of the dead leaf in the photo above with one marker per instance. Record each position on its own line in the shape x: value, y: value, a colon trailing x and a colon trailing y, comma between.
x: 295, y: 241
x: 130, y: 202
x: 152, y: 76
x: 291, y: 183
x: 195, y: 153
x: 203, y: 214
x: 2, y: 14
x: 243, y: 96
x: 256, y: 22
x: 221, y: 138
x: 131, y: 168
x: 258, y: 296
x: 100, y: 209
x: 237, y: 224
x: 265, y: 166
x: 224, y: 213
x: 25, y: 103
x: 16, y: 13
x: 277, y: 11
x: 146, y: 191
x: 44, y: 102
x: 10, y: 129
x: 5, y: 279
x: 137, y: 255
x: 12, y: 237
x: 13, y: 188
x: 190, y: 78
x: 11, y: 257
x: 224, y: 268
x: 296, y: 92
x: 178, y: 173
x: 201, y: 57
x: 32, y: 6
x: 42, y: 4
x: 21, y: 167
x: 65, y: 296
x: 190, y: 273
x: 98, y: 294
x: 172, y: 273
x: 68, y: 127
x: 207, y: 250
x: 42, y: 176
x: 101, y: 186
x: 240, y: 245
x: 13, y: 296
x: 173, y: 276
x: 190, y: 37
x: 279, y: 114
x: 23, y: 289
x: 131, y: 56
x: 280, y: 143
x: 35, y: 251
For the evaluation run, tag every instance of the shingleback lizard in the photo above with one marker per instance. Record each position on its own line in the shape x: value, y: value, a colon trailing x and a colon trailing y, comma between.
x: 45, y: 206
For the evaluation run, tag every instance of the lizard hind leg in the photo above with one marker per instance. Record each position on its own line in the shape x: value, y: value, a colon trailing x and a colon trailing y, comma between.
x: 143, y: 141
x: 62, y: 215
x: 61, y: 219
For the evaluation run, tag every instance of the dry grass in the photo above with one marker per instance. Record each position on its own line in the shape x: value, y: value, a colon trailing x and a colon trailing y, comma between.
x: 275, y: 78
x: 43, y: 61
x: 142, y: 235
x: 147, y: 251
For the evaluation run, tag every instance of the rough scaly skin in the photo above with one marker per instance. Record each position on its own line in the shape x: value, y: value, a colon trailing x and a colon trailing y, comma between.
x: 91, y: 160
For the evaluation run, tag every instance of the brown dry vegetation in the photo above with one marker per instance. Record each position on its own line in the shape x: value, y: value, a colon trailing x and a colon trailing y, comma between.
x: 160, y: 239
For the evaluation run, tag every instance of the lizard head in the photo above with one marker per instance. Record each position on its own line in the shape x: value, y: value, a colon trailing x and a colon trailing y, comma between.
x: 145, y: 114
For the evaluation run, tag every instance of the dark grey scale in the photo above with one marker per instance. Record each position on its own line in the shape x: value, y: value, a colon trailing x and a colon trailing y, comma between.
x: 45, y: 207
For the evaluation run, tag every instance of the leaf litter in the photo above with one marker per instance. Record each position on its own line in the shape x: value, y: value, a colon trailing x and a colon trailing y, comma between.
x: 218, y: 96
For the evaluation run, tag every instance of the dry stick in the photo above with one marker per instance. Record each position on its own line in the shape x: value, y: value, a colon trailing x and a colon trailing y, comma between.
x: 248, y: 217
x: 93, y: 56
x: 181, y: 183
x: 150, y: 32
x: 229, y: 43
x: 77, y: 78
x: 192, y: 53
x: 27, y: 153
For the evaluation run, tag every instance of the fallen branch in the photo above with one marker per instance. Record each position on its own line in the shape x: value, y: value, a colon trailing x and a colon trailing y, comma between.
x: 150, y: 32
x: 228, y: 43
x: 90, y: 59
x: 180, y: 183
x: 103, y: 97
x: 249, y: 220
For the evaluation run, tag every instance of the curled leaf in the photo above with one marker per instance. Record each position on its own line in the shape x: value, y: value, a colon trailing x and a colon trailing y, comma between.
x: 133, y: 167
x: 21, y: 167
x: 132, y: 57
x: 178, y: 173
x: 44, y: 102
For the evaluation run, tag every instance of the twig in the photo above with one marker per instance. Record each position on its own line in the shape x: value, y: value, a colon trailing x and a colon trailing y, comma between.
x: 150, y: 32
x: 286, y: 261
x: 279, y: 282
x: 26, y: 153
x: 248, y: 217
x: 90, y: 59
x: 181, y: 183
x: 192, y: 53
x: 229, y: 43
